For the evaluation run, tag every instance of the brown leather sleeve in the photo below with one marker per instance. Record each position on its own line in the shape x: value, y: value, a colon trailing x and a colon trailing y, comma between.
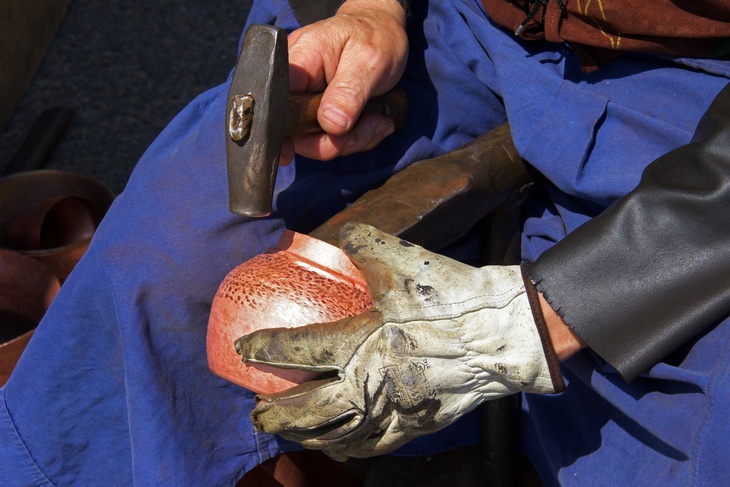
x: 653, y: 270
x: 542, y: 330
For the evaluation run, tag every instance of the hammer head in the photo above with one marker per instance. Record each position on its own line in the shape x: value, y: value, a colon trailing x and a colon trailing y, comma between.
x: 257, y: 104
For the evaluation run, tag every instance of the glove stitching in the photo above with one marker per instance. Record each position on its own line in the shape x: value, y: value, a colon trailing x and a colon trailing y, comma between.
x: 485, y: 301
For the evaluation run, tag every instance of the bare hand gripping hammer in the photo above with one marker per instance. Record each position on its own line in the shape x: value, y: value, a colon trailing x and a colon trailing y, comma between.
x: 261, y: 112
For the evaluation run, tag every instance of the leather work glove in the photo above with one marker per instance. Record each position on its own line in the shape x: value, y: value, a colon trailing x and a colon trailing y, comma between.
x: 443, y: 338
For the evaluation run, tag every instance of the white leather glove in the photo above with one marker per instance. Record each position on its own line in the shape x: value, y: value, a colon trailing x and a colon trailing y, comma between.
x: 443, y: 338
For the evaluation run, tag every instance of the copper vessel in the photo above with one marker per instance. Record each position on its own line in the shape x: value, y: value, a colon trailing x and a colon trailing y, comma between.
x: 302, y: 280
x: 27, y: 288
x: 57, y: 222
x: 51, y: 215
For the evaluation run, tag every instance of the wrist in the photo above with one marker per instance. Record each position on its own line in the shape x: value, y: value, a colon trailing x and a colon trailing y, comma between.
x: 565, y: 341
x: 397, y: 9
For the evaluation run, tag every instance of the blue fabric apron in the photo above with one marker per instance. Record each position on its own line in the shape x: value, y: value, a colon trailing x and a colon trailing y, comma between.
x: 114, y: 387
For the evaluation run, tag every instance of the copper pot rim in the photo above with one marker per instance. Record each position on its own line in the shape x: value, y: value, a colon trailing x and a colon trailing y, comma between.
x: 325, y: 256
x: 81, y: 177
x: 20, y: 257
x: 25, y: 174
x: 103, y: 190
x: 25, y: 336
x: 53, y: 250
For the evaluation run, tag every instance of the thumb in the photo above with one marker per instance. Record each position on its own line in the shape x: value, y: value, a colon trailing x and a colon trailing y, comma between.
x: 371, y: 62
x: 345, y: 97
x: 319, y: 66
x: 396, y: 271
x: 351, y: 57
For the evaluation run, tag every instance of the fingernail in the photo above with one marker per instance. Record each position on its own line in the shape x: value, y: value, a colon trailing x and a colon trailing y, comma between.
x: 337, y: 117
x: 348, y: 145
x: 385, y: 128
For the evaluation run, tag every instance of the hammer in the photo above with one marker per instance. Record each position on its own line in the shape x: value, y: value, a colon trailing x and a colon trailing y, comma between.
x: 261, y: 112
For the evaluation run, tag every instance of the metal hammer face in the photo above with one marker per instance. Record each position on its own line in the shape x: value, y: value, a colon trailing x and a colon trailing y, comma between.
x: 257, y: 104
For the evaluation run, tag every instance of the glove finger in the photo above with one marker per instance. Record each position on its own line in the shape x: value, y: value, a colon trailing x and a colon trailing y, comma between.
x: 391, y: 435
x: 316, y: 347
x: 380, y: 444
x: 325, y: 414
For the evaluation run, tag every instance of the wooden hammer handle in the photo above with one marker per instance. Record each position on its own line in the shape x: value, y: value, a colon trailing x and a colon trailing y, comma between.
x: 301, y: 117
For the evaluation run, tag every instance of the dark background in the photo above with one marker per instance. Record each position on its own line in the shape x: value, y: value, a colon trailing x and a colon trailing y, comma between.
x: 126, y: 68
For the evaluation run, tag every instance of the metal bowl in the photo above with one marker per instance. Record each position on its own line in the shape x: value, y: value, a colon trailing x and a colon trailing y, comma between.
x: 50, y: 215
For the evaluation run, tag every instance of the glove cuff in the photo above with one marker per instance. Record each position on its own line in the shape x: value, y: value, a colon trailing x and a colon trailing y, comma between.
x: 551, y: 357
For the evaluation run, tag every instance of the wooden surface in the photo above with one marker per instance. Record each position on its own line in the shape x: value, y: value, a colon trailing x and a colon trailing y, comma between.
x: 27, y: 29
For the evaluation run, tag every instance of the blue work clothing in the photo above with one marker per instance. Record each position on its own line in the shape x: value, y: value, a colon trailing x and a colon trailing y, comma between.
x: 114, y: 386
